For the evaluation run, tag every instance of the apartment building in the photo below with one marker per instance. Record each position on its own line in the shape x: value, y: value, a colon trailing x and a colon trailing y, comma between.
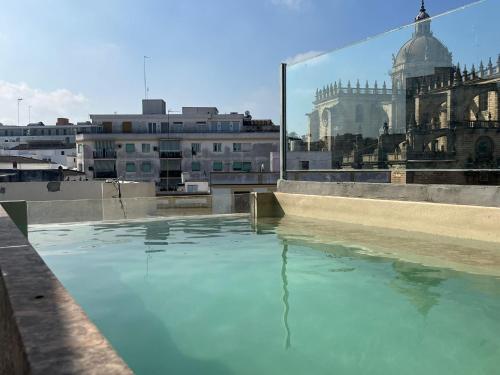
x: 62, y: 133
x: 51, y: 143
x: 175, y: 149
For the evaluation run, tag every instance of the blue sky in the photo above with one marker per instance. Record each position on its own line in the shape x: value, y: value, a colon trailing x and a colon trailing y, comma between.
x: 75, y: 57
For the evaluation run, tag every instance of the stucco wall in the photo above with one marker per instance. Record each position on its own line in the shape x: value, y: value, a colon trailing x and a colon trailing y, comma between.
x: 458, y: 221
x: 71, y: 190
x: 488, y: 196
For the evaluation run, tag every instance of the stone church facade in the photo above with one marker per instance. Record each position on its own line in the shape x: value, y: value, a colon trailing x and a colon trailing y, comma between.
x: 435, y: 115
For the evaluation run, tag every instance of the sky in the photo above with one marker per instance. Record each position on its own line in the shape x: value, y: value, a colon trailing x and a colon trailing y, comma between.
x: 70, y: 58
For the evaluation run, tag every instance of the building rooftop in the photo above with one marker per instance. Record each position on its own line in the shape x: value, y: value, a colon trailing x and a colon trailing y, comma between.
x: 22, y: 160
x: 44, y: 146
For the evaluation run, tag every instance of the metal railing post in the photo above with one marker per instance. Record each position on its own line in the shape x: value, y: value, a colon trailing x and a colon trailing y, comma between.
x: 283, y: 132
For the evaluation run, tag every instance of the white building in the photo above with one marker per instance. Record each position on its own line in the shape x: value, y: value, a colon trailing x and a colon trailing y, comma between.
x: 174, y: 149
x: 52, y: 143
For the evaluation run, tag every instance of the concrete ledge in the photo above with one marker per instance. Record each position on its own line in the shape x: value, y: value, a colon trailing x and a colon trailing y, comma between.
x: 467, y: 222
x: 264, y: 205
x: 486, y: 196
x: 42, y: 329
x: 18, y: 212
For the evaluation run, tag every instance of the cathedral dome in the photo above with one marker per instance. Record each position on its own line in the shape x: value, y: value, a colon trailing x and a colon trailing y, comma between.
x: 423, y: 48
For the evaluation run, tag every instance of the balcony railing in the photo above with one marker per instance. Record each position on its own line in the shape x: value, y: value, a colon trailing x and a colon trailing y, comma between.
x: 105, y: 174
x: 170, y: 174
x: 170, y: 154
x: 104, y: 154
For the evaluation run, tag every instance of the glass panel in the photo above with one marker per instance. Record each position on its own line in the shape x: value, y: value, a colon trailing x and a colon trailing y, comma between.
x: 130, y: 147
x: 218, y: 166
x: 130, y: 167
x: 146, y: 166
x: 195, y: 166
x: 423, y: 97
x: 237, y: 165
x: 170, y: 145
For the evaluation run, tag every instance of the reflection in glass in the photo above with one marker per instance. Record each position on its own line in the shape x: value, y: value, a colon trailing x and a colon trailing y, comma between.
x: 423, y: 96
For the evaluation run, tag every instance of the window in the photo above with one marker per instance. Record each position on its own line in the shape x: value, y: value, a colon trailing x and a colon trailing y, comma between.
x: 483, y: 101
x: 236, y: 147
x: 126, y: 127
x: 237, y: 166
x: 217, y: 166
x: 107, y: 127
x: 80, y: 148
x: 304, y: 165
x: 130, y: 147
x: 217, y: 147
x: 170, y: 145
x: 195, y: 166
x: 195, y: 148
x: 146, y: 147
x: 192, y: 188
x: 130, y: 167
x: 164, y: 127
x: 152, y: 127
x: 146, y: 166
x: 245, y: 166
x: 62, y: 152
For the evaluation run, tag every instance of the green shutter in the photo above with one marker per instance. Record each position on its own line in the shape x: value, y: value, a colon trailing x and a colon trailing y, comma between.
x: 195, y: 166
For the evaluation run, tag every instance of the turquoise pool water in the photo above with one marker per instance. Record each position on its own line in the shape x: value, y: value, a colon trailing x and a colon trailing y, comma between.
x: 220, y: 296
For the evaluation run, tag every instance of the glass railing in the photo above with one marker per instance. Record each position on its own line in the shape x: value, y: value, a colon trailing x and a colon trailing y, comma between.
x: 424, y: 96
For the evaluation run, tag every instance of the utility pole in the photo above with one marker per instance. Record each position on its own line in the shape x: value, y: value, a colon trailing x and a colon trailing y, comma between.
x: 145, y: 79
x: 18, y: 102
x: 29, y: 114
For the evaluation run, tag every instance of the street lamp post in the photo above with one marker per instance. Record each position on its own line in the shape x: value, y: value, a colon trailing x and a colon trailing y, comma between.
x: 18, y: 102
x: 146, y: 89
x: 29, y: 114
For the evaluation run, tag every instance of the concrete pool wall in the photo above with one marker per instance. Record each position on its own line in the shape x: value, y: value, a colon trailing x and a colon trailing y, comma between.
x: 468, y: 212
x: 42, y: 329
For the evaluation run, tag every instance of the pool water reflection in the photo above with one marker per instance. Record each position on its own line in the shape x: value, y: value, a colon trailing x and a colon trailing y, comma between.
x: 221, y: 295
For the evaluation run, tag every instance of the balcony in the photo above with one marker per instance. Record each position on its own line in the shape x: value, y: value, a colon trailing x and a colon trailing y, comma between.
x: 170, y: 154
x: 98, y: 175
x: 170, y: 174
x: 104, y: 154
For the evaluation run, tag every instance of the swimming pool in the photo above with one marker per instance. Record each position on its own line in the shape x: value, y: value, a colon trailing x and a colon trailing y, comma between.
x: 220, y: 295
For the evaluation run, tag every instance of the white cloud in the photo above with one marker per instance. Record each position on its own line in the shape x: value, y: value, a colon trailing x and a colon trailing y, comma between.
x: 303, y: 56
x: 46, y: 106
x: 291, y: 4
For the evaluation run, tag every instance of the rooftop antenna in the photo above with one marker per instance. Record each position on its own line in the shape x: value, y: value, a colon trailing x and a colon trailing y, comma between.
x: 146, y: 89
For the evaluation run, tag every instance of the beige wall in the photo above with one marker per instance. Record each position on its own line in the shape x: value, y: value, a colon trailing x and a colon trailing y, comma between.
x: 459, y: 221
x: 71, y: 190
